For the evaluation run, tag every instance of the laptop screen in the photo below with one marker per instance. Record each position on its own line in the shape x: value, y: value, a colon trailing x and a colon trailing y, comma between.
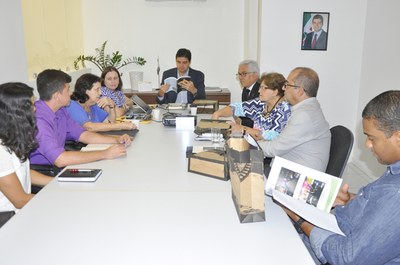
x: 143, y: 105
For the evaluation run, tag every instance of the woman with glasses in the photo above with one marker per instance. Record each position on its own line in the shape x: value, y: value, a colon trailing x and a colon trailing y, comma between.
x: 270, y: 112
x: 17, y: 139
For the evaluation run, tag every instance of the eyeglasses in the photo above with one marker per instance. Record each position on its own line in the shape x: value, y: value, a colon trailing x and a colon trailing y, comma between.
x: 287, y: 84
x: 244, y: 74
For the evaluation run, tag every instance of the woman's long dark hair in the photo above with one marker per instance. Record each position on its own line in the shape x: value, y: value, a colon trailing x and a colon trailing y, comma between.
x: 17, y: 119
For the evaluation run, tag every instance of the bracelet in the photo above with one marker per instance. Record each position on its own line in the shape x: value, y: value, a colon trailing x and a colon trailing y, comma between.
x: 298, y: 224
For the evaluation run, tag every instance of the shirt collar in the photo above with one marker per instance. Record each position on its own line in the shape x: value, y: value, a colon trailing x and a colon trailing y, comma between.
x: 185, y: 74
x: 394, y: 168
x: 310, y: 100
x: 251, y: 87
x: 44, y: 109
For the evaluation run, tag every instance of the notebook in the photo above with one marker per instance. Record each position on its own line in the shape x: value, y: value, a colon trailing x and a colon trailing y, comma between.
x: 79, y: 175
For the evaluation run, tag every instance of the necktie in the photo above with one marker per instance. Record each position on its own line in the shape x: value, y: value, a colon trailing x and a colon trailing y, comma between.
x: 314, y: 41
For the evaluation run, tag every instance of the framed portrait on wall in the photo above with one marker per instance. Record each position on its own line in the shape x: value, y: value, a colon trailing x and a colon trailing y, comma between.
x: 315, y: 31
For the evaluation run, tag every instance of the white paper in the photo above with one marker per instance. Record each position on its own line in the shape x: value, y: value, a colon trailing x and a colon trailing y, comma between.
x: 307, y: 192
x: 308, y: 212
x: 95, y: 147
x: 302, y: 183
x: 185, y: 123
x: 251, y: 140
x: 171, y: 81
x: 145, y: 86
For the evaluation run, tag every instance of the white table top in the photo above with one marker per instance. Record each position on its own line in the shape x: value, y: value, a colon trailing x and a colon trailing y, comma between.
x: 146, y: 209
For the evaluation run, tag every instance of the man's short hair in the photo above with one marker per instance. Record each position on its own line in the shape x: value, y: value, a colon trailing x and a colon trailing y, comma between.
x: 182, y: 52
x: 318, y: 16
x: 385, y: 110
x: 51, y: 81
x: 252, y: 65
x: 308, y: 79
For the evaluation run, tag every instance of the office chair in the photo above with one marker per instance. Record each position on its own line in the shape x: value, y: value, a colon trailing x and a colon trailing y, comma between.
x: 341, y: 144
x: 51, y: 170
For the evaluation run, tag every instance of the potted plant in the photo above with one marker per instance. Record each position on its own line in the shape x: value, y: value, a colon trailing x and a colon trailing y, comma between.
x: 102, y: 60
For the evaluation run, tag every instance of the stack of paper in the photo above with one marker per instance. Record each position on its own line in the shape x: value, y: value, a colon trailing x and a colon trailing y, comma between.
x: 207, y: 137
x: 95, y: 147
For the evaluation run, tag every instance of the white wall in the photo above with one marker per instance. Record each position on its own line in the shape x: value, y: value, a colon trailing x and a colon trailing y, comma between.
x: 13, y: 65
x: 358, y: 64
x: 212, y: 30
x: 380, y: 67
x: 339, y: 67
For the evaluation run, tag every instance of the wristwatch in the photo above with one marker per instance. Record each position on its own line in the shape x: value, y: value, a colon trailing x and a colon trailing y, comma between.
x: 297, y: 225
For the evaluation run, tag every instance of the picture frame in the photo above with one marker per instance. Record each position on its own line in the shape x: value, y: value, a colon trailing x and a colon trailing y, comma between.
x: 315, y: 31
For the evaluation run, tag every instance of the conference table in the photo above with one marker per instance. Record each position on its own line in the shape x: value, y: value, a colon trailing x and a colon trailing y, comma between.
x: 146, y: 208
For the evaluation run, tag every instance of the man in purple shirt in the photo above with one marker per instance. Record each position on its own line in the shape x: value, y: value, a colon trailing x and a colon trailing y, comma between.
x: 369, y: 219
x: 55, y: 126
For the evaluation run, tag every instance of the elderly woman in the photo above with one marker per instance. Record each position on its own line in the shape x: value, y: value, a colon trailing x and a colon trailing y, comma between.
x: 93, y: 112
x: 270, y: 112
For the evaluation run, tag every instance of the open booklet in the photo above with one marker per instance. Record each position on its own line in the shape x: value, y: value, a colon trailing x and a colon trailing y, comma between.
x: 174, y: 82
x: 307, y: 192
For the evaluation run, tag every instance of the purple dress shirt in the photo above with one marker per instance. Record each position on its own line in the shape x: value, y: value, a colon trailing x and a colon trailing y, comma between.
x: 53, y: 130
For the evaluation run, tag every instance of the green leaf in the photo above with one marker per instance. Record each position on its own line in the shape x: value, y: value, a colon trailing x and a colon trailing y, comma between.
x: 102, y: 60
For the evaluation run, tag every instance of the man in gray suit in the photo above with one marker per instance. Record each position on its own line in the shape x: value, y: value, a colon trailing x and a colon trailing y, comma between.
x: 317, y: 39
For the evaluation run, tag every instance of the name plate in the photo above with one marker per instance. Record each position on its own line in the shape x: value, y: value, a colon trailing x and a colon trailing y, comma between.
x: 185, y: 122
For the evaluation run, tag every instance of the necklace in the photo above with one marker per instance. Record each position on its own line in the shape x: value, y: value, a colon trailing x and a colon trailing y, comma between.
x: 267, y: 111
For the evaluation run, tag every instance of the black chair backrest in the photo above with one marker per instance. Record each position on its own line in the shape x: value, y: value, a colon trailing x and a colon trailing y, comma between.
x: 341, y: 144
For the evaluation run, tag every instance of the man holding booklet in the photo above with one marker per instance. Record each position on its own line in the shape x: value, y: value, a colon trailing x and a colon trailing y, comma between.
x: 370, y: 219
x: 181, y: 84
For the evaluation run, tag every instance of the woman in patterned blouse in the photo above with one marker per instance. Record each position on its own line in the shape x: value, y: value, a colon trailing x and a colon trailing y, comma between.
x: 111, y: 83
x: 270, y: 112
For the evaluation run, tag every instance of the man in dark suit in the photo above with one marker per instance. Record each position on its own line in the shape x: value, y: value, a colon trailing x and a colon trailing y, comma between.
x: 192, y: 89
x: 317, y: 39
x: 248, y: 74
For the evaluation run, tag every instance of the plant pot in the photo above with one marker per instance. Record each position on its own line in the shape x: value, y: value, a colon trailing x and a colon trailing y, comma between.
x: 135, y: 77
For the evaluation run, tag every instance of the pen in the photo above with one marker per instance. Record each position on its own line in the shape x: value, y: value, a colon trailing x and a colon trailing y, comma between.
x: 81, y: 170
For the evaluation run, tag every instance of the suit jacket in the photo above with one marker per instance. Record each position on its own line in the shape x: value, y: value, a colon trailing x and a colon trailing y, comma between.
x: 321, y: 41
x: 247, y: 96
x: 197, y: 79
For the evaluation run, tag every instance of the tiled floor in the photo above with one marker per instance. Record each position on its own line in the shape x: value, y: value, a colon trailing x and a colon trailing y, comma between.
x: 355, y: 177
